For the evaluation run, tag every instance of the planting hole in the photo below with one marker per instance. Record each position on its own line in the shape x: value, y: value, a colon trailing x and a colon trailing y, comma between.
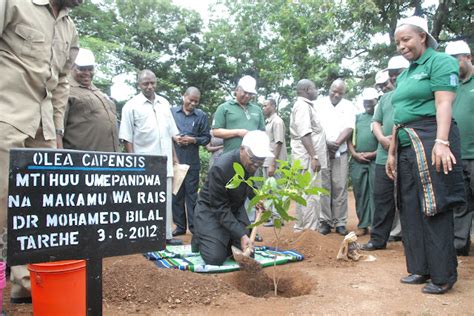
x: 257, y: 283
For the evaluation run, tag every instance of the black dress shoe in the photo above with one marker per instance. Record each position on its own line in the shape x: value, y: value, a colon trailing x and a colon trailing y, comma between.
x: 324, y: 229
x: 178, y: 232
x: 174, y: 242
x: 432, y: 288
x: 394, y: 238
x: 464, y: 251
x: 258, y: 238
x: 20, y: 300
x: 415, y: 279
x: 341, y: 230
x: 371, y: 247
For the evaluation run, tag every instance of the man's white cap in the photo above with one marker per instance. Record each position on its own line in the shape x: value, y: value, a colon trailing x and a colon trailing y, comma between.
x: 258, y: 143
x: 381, y: 76
x: 458, y: 48
x: 370, y: 94
x: 421, y: 23
x: 398, y: 62
x: 248, y: 84
x: 85, y: 58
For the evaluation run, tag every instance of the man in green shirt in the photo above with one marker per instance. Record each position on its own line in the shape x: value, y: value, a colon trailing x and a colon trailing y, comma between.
x: 362, y: 147
x: 234, y: 118
x: 463, y: 113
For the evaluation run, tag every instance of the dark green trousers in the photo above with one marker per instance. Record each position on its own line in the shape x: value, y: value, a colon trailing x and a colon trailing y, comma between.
x: 363, y: 185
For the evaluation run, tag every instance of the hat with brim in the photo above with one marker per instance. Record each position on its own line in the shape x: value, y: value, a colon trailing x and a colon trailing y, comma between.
x: 422, y: 24
x: 381, y: 77
x: 398, y: 62
x: 84, y: 58
x: 369, y: 94
x: 258, y: 143
x: 248, y: 84
x: 458, y: 48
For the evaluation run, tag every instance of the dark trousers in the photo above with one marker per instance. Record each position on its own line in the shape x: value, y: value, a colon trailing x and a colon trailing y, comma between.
x: 362, y: 175
x: 463, y: 215
x: 212, y: 239
x: 428, y: 240
x: 384, y: 212
x: 185, y: 200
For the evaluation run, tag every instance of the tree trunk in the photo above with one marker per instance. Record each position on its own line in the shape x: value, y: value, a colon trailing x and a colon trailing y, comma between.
x: 440, y: 18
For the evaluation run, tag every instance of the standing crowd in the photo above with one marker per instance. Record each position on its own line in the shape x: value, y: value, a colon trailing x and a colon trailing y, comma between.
x: 409, y: 154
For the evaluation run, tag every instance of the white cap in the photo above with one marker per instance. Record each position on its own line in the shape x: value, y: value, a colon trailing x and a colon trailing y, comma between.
x: 370, y: 94
x: 421, y: 23
x: 85, y: 58
x: 381, y: 76
x: 248, y: 84
x: 398, y: 62
x: 458, y: 48
x: 258, y: 143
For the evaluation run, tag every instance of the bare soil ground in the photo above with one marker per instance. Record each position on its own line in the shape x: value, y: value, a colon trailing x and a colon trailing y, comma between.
x: 318, y: 285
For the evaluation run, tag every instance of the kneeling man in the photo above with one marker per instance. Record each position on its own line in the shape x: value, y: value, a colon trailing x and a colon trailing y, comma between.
x: 220, y: 218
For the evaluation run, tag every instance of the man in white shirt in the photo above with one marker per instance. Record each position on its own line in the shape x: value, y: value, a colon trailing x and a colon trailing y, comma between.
x: 337, y: 117
x: 308, y: 145
x: 147, y: 127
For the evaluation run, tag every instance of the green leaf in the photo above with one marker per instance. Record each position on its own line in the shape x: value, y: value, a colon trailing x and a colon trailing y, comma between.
x: 233, y: 183
x: 278, y: 223
x: 257, y: 179
x: 316, y: 191
x: 255, y: 200
x: 298, y: 199
x: 239, y: 169
x: 304, y: 179
x: 271, y: 183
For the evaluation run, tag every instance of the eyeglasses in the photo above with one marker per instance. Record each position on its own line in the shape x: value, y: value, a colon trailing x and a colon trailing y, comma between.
x: 256, y: 162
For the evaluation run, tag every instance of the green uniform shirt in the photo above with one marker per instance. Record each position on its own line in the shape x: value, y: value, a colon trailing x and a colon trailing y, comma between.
x: 230, y: 115
x: 365, y: 141
x: 414, y: 97
x: 384, y: 115
x: 463, y: 113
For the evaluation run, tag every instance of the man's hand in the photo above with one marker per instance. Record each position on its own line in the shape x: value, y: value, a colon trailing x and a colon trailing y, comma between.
x: 315, y: 165
x: 246, y: 243
x: 59, y: 141
x: 271, y: 170
x: 188, y: 140
x: 385, y: 142
x: 390, y: 168
x: 184, y: 140
x: 332, y: 148
x: 360, y: 157
x: 242, y: 132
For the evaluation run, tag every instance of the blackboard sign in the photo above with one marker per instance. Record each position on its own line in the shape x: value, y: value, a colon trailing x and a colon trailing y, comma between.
x: 66, y: 204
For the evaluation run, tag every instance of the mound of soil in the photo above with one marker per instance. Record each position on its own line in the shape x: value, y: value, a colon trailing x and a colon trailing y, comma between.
x: 136, y: 280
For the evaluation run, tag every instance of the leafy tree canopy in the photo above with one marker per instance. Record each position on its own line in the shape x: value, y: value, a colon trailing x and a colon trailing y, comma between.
x: 278, y: 42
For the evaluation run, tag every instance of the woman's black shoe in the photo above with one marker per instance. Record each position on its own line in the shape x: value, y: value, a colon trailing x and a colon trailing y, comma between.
x: 415, y: 279
x: 432, y: 288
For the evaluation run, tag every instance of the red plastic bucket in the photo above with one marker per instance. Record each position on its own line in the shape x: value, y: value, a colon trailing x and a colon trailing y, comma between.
x: 3, y: 266
x: 58, y: 288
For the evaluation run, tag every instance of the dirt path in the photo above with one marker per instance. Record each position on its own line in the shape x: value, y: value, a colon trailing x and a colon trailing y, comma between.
x: 133, y: 285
